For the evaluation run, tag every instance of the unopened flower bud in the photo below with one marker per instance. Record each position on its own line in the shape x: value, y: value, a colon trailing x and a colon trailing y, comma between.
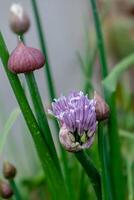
x: 101, y: 108
x: 5, y: 190
x: 19, y: 21
x: 9, y: 170
x: 25, y: 59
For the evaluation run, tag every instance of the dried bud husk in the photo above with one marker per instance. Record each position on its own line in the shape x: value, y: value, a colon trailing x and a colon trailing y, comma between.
x: 25, y: 59
x: 5, y: 190
x: 9, y: 170
x: 19, y: 21
x: 101, y: 108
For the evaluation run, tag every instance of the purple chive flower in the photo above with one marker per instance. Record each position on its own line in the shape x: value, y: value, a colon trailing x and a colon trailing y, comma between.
x: 76, y: 114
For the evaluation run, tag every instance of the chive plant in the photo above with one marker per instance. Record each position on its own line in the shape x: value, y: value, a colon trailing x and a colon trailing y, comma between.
x: 78, y: 119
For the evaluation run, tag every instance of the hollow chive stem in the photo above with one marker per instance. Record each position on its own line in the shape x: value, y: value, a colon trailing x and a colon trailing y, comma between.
x: 115, y: 157
x: 15, y: 189
x: 103, y: 152
x: 54, y: 176
x: 100, y: 41
x: 91, y: 171
x: 50, y: 81
x: 41, y: 116
x: 40, y: 112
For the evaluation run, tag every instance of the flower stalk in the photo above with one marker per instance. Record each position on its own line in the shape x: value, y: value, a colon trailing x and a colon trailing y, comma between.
x: 115, y: 159
x: 54, y: 177
x: 91, y: 171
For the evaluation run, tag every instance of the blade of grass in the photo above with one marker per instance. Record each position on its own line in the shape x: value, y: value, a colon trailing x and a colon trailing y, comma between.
x: 7, y: 127
x: 54, y: 177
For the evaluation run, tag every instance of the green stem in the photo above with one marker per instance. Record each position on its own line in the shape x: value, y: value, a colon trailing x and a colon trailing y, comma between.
x: 130, y: 180
x: 103, y: 152
x: 115, y: 157
x: 115, y: 154
x: 54, y: 177
x: 41, y: 116
x: 15, y: 190
x: 100, y: 41
x: 50, y: 82
x: 91, y: 171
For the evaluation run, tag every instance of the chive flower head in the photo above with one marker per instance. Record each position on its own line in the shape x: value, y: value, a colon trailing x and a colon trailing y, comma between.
x: 77, y: 116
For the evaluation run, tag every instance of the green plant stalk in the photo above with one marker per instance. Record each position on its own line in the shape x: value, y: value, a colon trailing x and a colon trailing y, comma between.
x: 41, y: 116
x: 40, y: 112
x: 110, y: 84
x: 89, y: 73
x: 54, y: 177
x: 102, y: 146
x: 15, y: 190
x: 115, y: 154
x: 130, y: 180
x: 50, y: 82
x: 115, y: 157
x: 100, y: 41
x: 91, y: 171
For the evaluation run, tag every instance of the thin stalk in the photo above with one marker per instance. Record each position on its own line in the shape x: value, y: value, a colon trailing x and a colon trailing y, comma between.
x: 54, y: 177
x: 91, y: 171
x: 130, y: 180
x: 115, y: 154
x: 103, y: 151
x: 42, y: 41
x: 100, y: 40
x: 89, y: 73
x: 50, y: 81
x: 41, y: 116
x: 15, y: 190
x: 115, y: 157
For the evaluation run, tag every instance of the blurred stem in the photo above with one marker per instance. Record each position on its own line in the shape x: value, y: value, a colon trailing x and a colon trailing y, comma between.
x: 115, y: 152
x: 130, y: 180
x: 103, y: 152
x: 54, y: 176
x: 50, y: 81
x: 116, y: 160
x: 83, y: 194
x: 91, y: 171
x: 40, y: 113
x: 15, y: 190
x: 100, y: 41
x: 89, y: 73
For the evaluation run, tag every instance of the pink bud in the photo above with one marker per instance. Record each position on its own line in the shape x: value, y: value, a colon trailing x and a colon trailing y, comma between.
x: 101, y: 108
x: 25, y: 59
x: 5, y: 190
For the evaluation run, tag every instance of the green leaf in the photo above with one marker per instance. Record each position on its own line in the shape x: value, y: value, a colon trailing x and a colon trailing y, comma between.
x: 110, y: 82
x: 8, y: 125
